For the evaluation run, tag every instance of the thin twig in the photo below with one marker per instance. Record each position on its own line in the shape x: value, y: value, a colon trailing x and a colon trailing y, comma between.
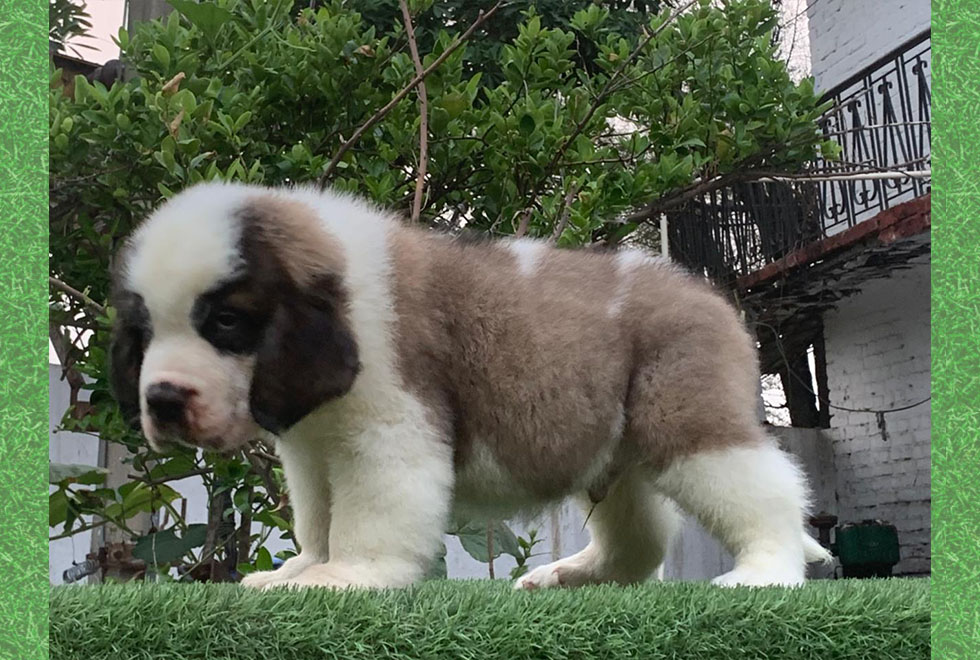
x: 76, y: 294
x: 79, y: 529
x: 272, y: 458
x: 265, y: 473
x: 423, y: 114
x: 566, y: 211
x: 380, y: 114
x: 174, y: 477
x: 490, y: 549
x: 525, y: 222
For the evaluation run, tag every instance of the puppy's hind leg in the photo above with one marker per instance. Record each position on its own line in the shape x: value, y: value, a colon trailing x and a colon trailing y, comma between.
x: 752, y: 498
x: 631, y: 531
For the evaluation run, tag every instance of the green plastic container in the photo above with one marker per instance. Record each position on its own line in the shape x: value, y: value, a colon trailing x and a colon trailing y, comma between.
x: 867, y: 549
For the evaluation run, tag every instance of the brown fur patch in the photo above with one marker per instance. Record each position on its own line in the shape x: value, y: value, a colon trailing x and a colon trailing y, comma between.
x: 301, y: 242
x: 537, y: 368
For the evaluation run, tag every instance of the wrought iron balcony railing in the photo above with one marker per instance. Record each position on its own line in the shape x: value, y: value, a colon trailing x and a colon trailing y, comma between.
x: 881, y: 119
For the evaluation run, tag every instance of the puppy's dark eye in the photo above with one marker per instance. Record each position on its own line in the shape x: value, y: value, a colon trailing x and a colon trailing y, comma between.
x: 227, y: 319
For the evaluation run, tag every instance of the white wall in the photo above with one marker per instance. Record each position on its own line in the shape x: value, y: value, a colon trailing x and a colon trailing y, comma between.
x: 65, y: 447
x: 846, y: 35
x: 878, y: 357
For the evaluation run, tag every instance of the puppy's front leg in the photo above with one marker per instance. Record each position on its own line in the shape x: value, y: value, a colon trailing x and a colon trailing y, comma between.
x: 391, y: 487
x: 305, y: 464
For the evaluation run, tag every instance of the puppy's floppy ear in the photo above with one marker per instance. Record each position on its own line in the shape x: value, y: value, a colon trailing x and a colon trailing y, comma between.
x: 130, y: 334
x: 307, y: 356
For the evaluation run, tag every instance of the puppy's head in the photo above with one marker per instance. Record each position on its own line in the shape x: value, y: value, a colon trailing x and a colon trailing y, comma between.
x: 231, y: 315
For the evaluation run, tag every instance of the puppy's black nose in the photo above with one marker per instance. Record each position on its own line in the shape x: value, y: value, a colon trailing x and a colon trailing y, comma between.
x: 167, y: 402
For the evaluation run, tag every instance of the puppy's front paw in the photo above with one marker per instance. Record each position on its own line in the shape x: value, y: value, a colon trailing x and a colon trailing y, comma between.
x: 262, y: 579
x: 542, y: 577
x: 340, y: 575
x: 290, y: 568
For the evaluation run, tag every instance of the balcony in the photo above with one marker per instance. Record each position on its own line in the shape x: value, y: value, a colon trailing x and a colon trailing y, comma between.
x: 750, y: 233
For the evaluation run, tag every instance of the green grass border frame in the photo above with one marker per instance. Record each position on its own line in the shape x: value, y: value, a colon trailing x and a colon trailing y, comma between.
x: 956, y: 329
x: 23, y: 329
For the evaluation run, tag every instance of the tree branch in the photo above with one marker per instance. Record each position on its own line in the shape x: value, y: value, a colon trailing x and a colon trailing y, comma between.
x: 423, y: 113
x: 380, y: 114
x: 76, y: 294
x: 62, y: 348
x: 566, y: 211
x: 524, y: 223
x: 174, y: 477
x: 264, y: 471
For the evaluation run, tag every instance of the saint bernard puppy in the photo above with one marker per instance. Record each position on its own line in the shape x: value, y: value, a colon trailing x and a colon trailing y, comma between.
x: 408, y: 375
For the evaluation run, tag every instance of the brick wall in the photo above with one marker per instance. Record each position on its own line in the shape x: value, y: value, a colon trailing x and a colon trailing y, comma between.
x: 846, y: 35
x: 878, y: 357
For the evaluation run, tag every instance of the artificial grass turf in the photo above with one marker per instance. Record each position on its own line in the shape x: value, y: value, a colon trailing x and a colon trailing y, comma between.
x: 482, y: 619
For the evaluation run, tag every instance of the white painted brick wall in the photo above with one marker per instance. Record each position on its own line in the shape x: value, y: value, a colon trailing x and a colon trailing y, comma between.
x: 846, y: 35
x: 878, y: 357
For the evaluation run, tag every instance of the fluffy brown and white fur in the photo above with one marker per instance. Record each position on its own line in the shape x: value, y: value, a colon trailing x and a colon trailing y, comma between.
x: 406, y: 374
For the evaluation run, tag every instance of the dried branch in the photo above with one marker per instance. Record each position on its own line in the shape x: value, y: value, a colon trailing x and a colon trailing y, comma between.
x: 76, y: 294
x: 423, y: 113
x: 380, y: 114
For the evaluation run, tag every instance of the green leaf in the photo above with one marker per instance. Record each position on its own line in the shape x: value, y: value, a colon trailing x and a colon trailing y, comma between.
x: 166, y: 546
x: 242, y: 120
x: 177, y: 465
x: 285, y: 554
x: 74, y: 473
x: 140, y: 498
x: 505, y: 539
x: 527, y: 124
x: 242, y: 499
x: 263, y: 560
x: 57, y: 507
x: 454, y: 103
x: 473, y: 537
x: 161, y: 55
x: 692, y: 142
x: 272, y: 519
x: 207, y: 16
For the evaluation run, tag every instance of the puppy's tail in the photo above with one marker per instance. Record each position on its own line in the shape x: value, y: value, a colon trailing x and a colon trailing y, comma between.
x: 814, y: 552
